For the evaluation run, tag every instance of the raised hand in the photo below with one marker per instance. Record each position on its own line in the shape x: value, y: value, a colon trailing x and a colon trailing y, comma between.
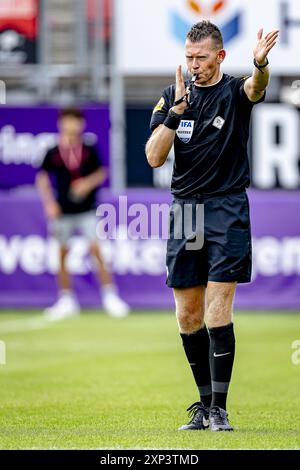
x: 180, y: 91
x: 264, y: 45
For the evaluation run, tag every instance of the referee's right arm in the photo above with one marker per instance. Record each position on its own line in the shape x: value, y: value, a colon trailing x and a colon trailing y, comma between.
x: 162, y: 138
x: 159, y: 145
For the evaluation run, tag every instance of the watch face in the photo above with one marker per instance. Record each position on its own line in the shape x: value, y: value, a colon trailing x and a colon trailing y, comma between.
x: 173, y: 114
x: 261, y: 66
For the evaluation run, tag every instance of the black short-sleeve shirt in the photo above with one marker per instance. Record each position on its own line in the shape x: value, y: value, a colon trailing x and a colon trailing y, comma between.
x: 62, y: 178
x: 211, y: 142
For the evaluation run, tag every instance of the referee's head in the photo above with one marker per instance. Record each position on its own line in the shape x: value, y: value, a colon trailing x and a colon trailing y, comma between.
x: 204, y: 50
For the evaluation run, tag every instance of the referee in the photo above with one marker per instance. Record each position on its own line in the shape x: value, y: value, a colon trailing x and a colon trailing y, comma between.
x: 208, y: 123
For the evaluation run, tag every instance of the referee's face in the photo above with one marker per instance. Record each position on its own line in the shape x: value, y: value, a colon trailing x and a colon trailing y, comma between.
x: 204, y: 59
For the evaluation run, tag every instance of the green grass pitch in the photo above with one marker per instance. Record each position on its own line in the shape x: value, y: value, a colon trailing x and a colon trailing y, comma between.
x: 102, y: 383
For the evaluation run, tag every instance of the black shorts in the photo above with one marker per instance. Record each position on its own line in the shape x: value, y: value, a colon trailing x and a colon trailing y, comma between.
x: 226, y: 254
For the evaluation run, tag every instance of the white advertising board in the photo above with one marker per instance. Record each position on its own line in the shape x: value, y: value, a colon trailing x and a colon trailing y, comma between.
x: 150, y: 33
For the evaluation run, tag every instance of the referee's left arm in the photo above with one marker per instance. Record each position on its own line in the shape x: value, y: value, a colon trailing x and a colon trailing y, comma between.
x: 256, y: 85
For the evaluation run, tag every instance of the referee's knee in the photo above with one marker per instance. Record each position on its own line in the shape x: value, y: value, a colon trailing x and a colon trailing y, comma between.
x: 189, y: 320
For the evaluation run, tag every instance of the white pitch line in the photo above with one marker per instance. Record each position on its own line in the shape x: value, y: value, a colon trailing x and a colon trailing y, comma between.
x: 23, y: 324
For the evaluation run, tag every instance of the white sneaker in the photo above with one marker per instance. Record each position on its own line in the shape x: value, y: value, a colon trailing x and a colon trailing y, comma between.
x: 66, y: 307
x: 114, y: 305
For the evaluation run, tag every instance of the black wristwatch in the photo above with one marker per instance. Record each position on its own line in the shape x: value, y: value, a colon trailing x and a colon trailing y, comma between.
x: 173, y: 114
x: 260, y: 67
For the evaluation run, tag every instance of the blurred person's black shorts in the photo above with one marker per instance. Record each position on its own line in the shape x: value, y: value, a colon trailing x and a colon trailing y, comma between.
x: 226, y: 254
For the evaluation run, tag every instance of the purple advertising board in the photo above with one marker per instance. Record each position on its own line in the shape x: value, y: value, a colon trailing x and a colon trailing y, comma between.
x: 28, y: 256
x: 26, y: 133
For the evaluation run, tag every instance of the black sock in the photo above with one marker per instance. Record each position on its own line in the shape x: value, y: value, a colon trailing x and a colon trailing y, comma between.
x: 196, y: 347
x: 221, y: 356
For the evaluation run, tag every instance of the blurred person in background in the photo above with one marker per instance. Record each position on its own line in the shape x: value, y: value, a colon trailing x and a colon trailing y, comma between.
x: 209, y: 127
x: 68, y: 181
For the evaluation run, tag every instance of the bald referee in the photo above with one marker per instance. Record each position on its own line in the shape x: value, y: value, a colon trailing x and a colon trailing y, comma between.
x: 208, y: 123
